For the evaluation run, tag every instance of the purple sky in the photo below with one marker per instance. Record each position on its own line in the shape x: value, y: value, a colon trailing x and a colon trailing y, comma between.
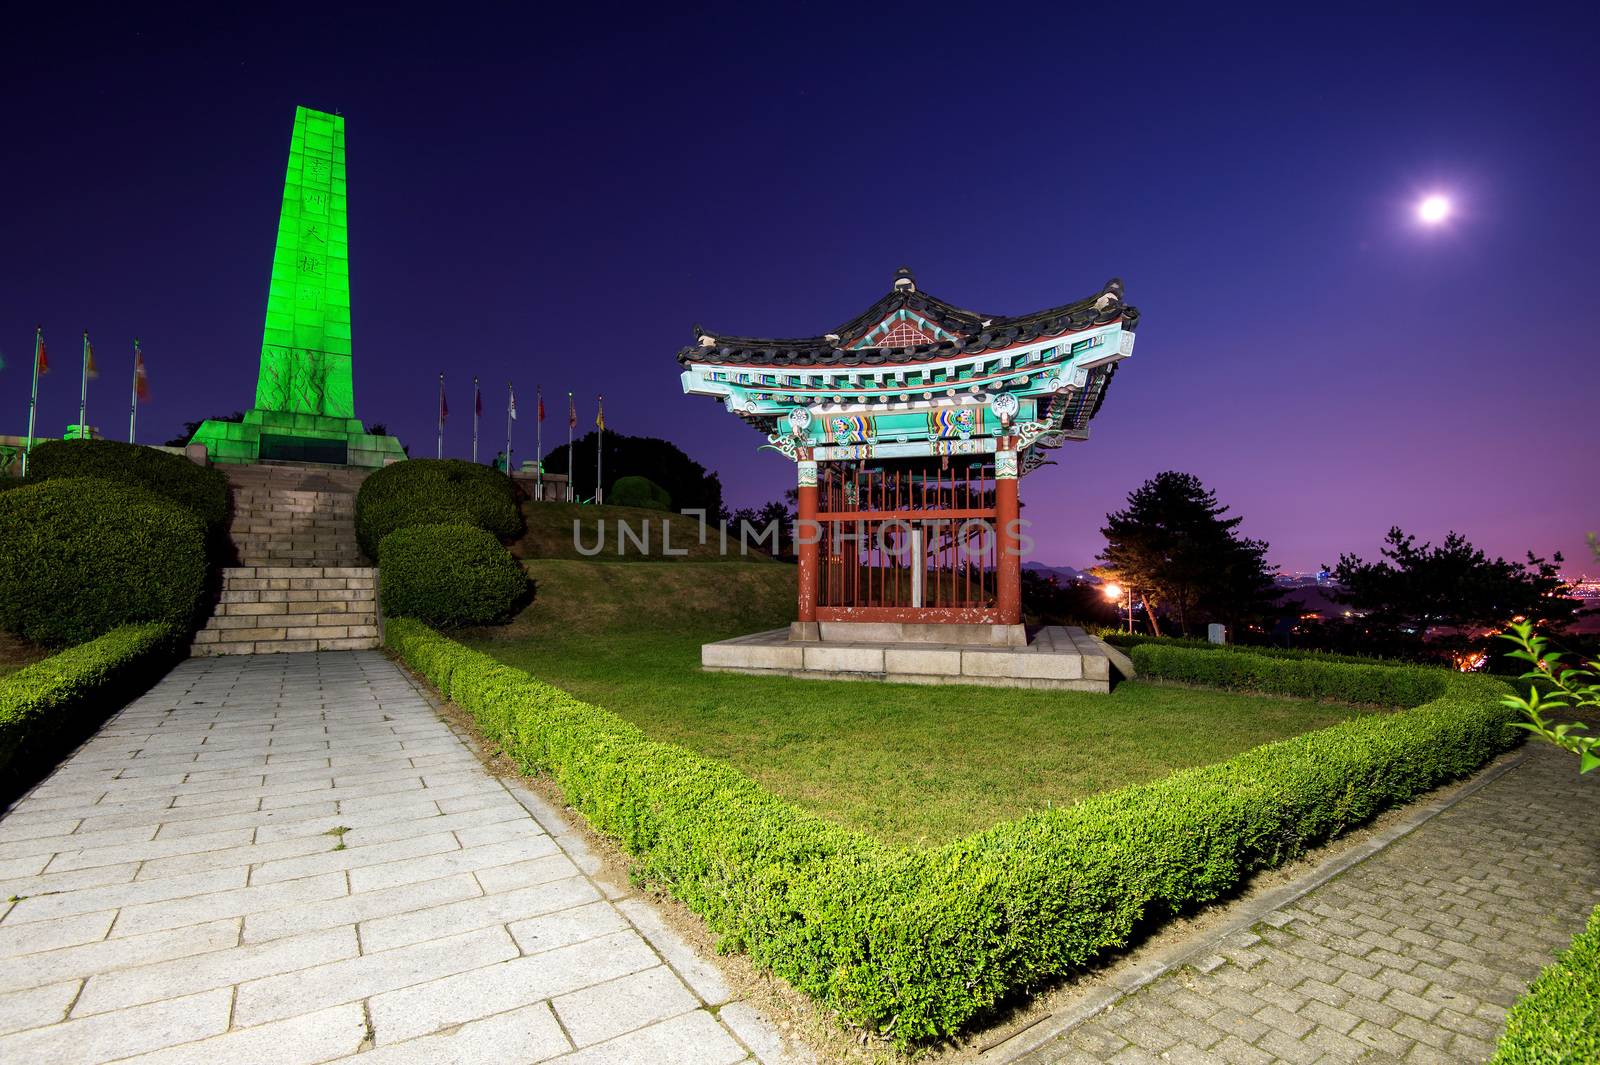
x: 557, y: 202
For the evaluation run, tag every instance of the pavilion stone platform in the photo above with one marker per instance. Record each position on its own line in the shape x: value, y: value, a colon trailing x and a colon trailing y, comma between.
x: 1002, y: 656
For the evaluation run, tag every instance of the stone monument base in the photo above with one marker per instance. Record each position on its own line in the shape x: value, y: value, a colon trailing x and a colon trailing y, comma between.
x: 1054, y: 657
x: 270, y: 435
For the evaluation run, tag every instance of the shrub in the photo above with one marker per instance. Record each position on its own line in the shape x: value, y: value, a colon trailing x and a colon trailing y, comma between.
x: 919, y: 942
x: 201, y: 491
x: 80, y: 556
x: 449, y: 575
x: 61, y: 698
x: 1125, y: 640
x: 639, y: 492
x: 1558, y: 1021
x: 433, y: 492
x: 1307, y: 678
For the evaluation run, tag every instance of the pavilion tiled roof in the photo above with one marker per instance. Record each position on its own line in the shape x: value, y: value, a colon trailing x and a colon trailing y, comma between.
x: 974, y: 332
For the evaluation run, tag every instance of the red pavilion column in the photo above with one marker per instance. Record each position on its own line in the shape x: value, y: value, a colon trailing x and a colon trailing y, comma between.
x: 1008, y: 567
x: 807, y: 536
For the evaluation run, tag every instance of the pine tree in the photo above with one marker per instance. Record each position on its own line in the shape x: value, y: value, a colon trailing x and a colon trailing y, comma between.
x: 1176, y: 548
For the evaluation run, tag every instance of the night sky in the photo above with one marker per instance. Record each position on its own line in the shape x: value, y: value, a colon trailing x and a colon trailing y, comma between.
x: 557, y: 199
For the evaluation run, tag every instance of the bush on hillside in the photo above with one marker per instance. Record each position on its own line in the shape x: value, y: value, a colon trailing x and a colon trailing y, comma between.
x: 449, y: 575
x: 1558, y: 1021
x: 639, y: 492
x: 80, y: 556
x: 435, y: 492
x: 51, y: 704
x: 918, y: 942
x: 198, y: 489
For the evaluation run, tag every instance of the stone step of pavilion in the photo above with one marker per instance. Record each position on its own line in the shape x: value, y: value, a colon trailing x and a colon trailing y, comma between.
x: 277, y: 609
x: 289, y: 515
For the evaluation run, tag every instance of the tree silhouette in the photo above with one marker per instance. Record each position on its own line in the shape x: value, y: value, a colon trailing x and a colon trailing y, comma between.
x: 1176, y: 548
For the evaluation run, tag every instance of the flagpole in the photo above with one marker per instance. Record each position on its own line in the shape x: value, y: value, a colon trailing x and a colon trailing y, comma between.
x: 83, y: 392
x: 571, y: 466
x: 440, y: 412
x: 599, y: 445
x: 511, y: 400
x: 474, y: 419
x: 33, y: 399
x: 538, y: 442
x: 133, y: 397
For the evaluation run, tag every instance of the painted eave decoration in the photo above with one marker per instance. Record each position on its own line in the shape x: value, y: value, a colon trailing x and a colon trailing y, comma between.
x: 913, y: 375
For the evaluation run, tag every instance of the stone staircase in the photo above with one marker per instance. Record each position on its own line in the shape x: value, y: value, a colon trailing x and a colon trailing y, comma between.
x: 301, y: 583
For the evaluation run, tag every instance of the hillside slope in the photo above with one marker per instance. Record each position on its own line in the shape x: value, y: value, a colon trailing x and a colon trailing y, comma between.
x: 567, y: 530
x: 603, y: 599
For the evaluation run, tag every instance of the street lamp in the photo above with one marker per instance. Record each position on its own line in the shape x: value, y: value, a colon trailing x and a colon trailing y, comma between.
x: 1114, y: 592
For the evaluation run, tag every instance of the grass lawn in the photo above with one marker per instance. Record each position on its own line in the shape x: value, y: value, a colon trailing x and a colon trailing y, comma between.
x: 906, y: 763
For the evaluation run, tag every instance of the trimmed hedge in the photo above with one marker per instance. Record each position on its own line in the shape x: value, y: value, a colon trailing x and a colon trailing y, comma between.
x: 1306, y: 678
x: 68, y: 694
x: 201, y: 491
x: 1558, y: 1021
x: 1124, y: 640
x: 435, y: 492
x: 80, y: 556
x: 449, y: 575
x: 916, y: 943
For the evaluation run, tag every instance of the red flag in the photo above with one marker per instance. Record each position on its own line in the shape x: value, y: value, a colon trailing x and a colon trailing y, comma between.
x: 600, y: 413
x: 44, y: 358
x: 88, y: 357
x: 444, y: 405
x: 541, y: 403
x: 572, y: 413
x: 477, y: 400
x: 141, y: 380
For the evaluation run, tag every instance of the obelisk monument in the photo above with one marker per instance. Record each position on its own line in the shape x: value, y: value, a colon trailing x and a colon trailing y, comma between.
x: 305, y: 395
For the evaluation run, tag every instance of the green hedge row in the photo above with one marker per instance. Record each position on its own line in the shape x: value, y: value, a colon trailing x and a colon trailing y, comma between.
x: 916, y: 943
x: 80, y: 556
x: 1125, y: 640
x: 435, y: 492
x: 63, y: 697
x: 1558, y: 1021
x: 1308, y: 678
x: 449, y: 575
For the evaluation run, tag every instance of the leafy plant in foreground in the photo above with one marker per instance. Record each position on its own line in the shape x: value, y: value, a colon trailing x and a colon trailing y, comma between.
x: 1563, y: 688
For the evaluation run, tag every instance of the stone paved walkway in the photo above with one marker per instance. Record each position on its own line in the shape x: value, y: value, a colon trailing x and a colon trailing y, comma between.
x: 294, y: 859
x: 1412, y: 955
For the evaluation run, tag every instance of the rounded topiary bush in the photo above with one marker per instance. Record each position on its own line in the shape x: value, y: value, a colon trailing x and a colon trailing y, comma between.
x: 434, y: 492
x: 639, y: 492
x: 80, y: 556
x: 200, y: 490
x: 449, y: 575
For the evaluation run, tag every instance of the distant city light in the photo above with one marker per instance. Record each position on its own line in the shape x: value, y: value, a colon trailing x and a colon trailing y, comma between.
x: 1433, y: 210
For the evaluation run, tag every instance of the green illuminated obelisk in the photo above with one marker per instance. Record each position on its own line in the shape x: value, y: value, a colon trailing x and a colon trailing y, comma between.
x: 305, y: 397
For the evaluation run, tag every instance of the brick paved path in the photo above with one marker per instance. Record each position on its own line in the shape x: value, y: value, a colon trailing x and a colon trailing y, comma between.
x: 293, y: 859
x: 1411, y: 956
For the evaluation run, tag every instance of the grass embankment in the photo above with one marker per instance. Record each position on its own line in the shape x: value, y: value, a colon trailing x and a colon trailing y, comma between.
x: 550, y: 535
x: 905, y: 763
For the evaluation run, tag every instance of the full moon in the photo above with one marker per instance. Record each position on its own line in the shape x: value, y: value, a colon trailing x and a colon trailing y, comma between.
x: 1433, y: 210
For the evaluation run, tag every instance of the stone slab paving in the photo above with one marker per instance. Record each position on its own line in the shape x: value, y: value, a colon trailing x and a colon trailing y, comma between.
x: 1412, y: 955
x: 294, y: 859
